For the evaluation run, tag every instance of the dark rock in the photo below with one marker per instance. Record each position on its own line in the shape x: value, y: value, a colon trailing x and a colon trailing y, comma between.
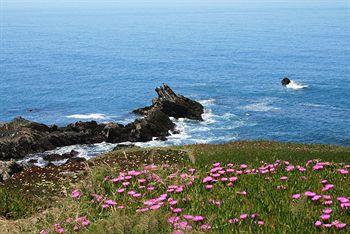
x: 175, y: 132
x: 155, y: 124
x: 174, y: 105
x: 54, y: 157
x: 285, y: 81
x: 73, y: 153
x: 124, y: 146
x: 76, y: 160
x: 33, y: 161
x: 161, y: 138
x: 21, y: 137
x: 58, y: 157
x: 9, y: 168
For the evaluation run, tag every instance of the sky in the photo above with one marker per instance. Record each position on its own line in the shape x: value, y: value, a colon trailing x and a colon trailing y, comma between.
x: 166, y: 3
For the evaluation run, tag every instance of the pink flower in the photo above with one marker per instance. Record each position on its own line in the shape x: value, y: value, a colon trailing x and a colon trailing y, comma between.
x: 120, y: 207
x: 284, y: 178
x: 309, y: 194
x: 125, y: 184
x: 198, y: 218
x: 327, y: 211
x: 235, y: 220
x: 244, y: 193
x: 121, y: 190
x: 342, y: 199
x: 208, y: 186
x: 243, y: 216
x: 325, y: 216
x: 76, y: 193
x: 316, y: 197
x: 173, y: 219
x: 296, y: 196
x: 260, y: 223
x: 188, y: 217
x: 43, y: 232
x: 324, y: 181
x: 205, y: 227
x: 207, y: 179
x: 131, y: 192
x: 110, y: 202
x: 343, y: 171
x: 243, y: 166
x: 83, y: 221
x: 176, y: 210
x: 328, y: 203
x: 340, y: 225
x: 328, y: 187
x: 155, y: 207
x: 318, y: 223
x: 233, y: 179
x: 58, y: 228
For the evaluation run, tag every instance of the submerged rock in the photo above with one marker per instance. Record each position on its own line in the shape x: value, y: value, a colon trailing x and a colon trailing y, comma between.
x: 285, y: 81
x: 173, y: 105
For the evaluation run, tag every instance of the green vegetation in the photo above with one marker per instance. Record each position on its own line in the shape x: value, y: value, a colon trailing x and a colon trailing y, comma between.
x: 231, y: 188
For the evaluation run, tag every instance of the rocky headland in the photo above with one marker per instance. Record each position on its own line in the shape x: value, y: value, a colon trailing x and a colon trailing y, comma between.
x: 21, y: 137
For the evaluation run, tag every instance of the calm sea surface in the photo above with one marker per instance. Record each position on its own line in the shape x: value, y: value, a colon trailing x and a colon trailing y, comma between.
x: 68, y: 64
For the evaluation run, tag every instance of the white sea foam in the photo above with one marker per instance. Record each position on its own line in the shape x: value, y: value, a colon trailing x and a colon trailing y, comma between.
x: 207, y: 102
x: 296, y: 86
x: 260, y: 107
x: 87, y: 116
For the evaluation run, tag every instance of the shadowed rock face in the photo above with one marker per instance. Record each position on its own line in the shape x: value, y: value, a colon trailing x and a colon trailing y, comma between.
x: 173, y: 105
x: 21, y: 137
x: 7, y: 169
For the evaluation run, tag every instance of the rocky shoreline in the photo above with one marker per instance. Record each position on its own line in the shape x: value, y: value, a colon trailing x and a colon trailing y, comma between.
x: 22, y: 137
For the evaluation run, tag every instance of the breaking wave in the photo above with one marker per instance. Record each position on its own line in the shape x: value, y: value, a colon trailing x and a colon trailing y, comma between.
x: 88, y: 116
x: 296, y: 86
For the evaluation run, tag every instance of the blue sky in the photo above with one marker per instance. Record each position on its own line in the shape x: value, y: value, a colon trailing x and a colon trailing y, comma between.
x: 168, y: 3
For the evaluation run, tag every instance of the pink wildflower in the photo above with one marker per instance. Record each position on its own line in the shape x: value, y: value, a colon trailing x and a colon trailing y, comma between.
x: 325, y: 216
x: 328, y: 187
x: 207, y: 179
x: 205, y: 227
x: 309, y: 194
x: 198, y: 218
x: 318, y: 223
x: 110, y: 202
x: 76, y: 193
x: 188, y: 217
x: 296, y: 196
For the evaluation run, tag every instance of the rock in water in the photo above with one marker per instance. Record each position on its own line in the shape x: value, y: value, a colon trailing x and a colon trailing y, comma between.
x: 285, y: 81
x: 174, y: 105
x: 8, y: 168
x: 21, y: 137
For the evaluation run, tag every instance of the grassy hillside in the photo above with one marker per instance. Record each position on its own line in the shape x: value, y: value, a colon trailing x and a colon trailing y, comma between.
x: 252, y: 187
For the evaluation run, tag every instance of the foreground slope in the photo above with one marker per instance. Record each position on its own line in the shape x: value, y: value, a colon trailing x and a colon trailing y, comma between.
x: 237, y: 187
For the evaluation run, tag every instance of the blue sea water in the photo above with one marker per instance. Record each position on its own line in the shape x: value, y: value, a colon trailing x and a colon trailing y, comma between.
x: 69, y: 63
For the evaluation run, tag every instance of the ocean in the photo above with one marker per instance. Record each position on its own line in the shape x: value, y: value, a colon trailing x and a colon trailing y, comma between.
x: 61, y: 64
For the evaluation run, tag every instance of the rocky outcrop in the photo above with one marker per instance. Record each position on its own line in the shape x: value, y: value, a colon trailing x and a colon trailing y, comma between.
x: 173, y: 105
x: 21, y: 137
x: 7, y: 169
x: 285, y: 81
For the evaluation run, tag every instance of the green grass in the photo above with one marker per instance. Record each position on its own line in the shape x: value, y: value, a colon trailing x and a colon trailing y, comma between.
x: 280, y: 213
